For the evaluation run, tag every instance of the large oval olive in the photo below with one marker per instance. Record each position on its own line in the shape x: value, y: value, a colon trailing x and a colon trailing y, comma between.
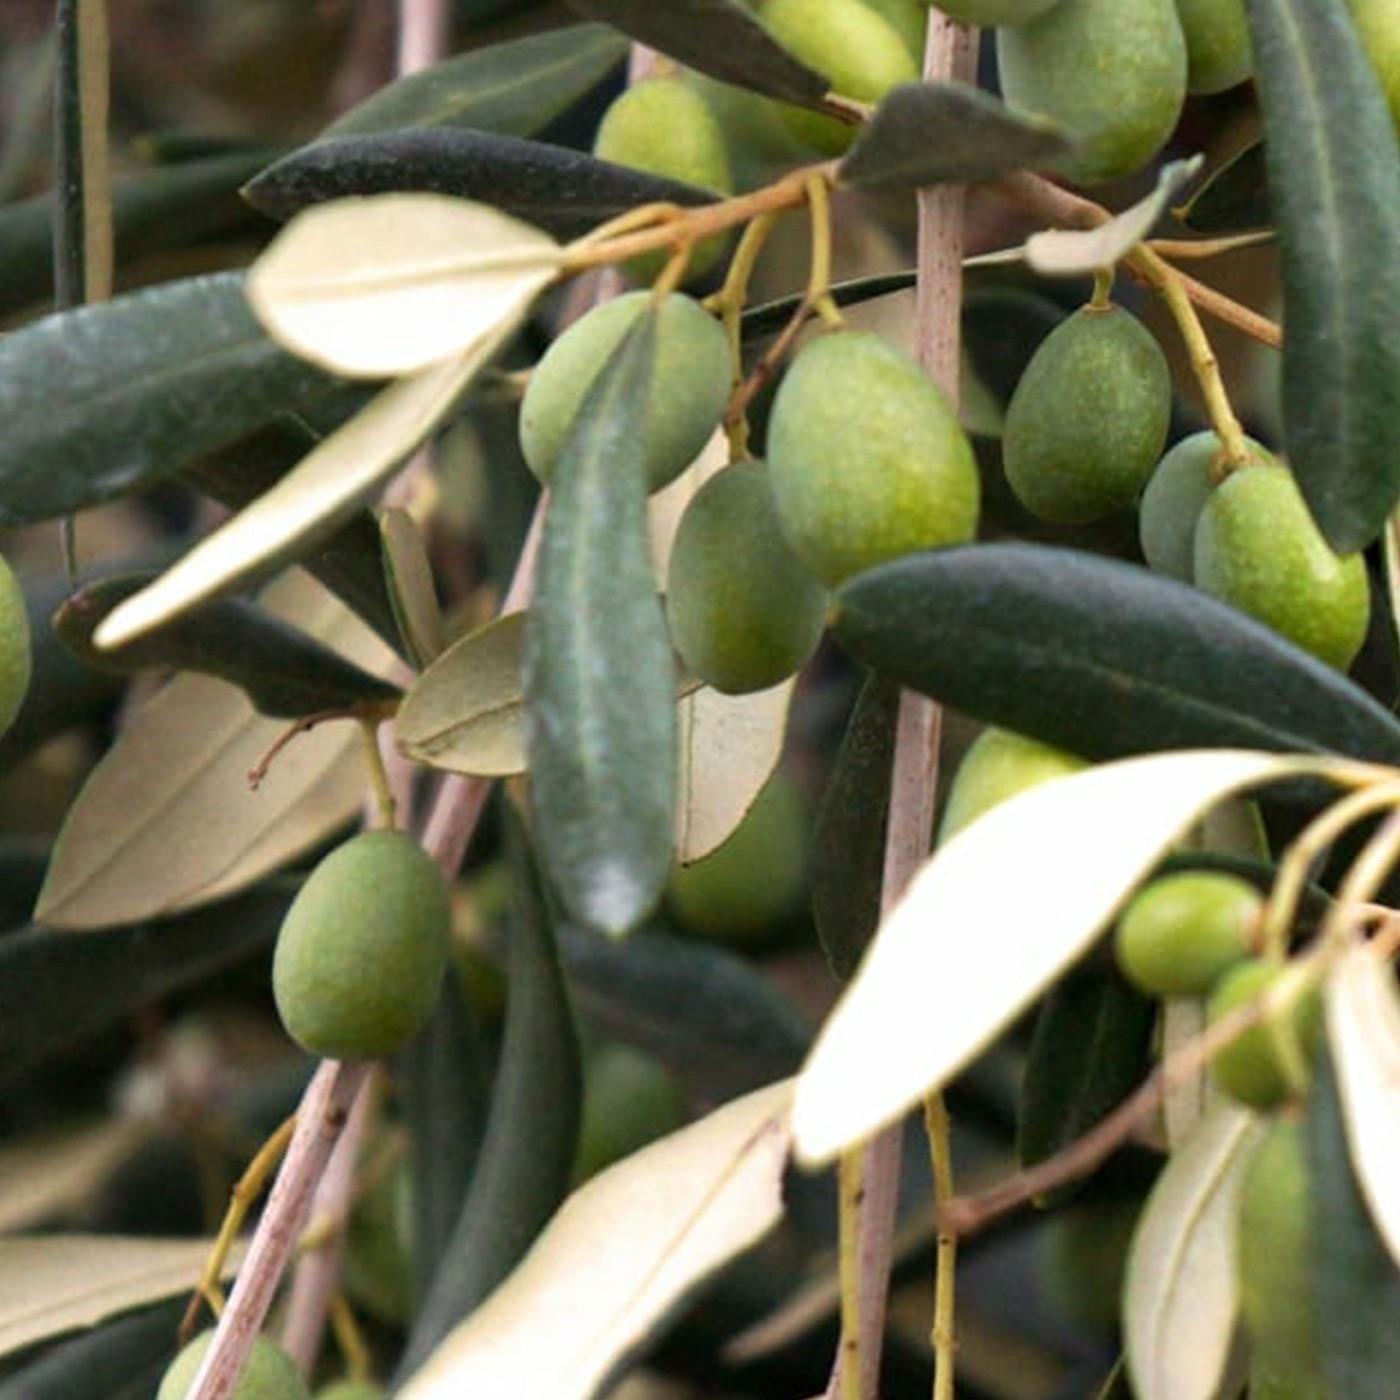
x: 1249, y: 1068
x: 1113, y: 72
x: 743, y: 611
x: 851, y: 46
x: 1086, y: 423
x: 691, y: 381
x: 867, y: 456
x: 16, y: 662
x: 1257, y: 548
x: 361, y: 953
x: 998, y: 765
x: 270, y: 1374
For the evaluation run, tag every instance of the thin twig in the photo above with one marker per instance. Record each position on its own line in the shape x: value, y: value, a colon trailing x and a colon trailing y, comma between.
x: 422, y: 34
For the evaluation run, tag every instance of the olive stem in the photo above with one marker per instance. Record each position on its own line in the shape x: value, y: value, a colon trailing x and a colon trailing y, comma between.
x: 384, y: 800
x: 348, y: 1337
x: 422, y: 34
x: 730, y: 301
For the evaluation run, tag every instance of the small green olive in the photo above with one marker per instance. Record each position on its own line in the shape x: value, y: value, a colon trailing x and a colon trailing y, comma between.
x: 690, y: 383
x: 629, y: 1100
x: 16, y: 664
x: 1182, y: 933
x: 361, y: 953
x: 1218, y: 53
x: 998, y: 765
x: 1249, y: 1068
x: 867, y: 458
x: 270, y: 1374
x: 744, y: 613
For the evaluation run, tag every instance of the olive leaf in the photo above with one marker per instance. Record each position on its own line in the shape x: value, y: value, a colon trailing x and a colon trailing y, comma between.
x: 103, y: 400
x: 622, y: 1252
x: 392, y: 284
x: 408, y: 575
x: 1233, y: 198
x: 599, y: 675
x: 1180, y: 1297
x: 515, y: 88
x: 1334, y: 183
x: 82, y: 208
x: 935, y: 133
x: 913, y: 1016
x: 283, y: 671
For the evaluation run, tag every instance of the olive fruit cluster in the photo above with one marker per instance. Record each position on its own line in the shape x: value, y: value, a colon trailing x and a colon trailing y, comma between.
x: 1251, y: 542
x: 362, y: 951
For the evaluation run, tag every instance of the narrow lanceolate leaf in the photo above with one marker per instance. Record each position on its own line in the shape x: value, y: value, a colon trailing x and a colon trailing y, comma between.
x: 1180, y: 1298
x: 965, y: 950
x: 1074, y: 252
x: 103, y: 400
x: 599, y: 675
x: 1233, y: 199
x: 729, y: 747
x: 719, y: 37
x: 1356, y: 1283
x: 329, y: 486
x: 283, y: 671
x: 408, y: 575
x: 391, y: 284
x: 1334, y: 183
x: 931, y: 133
x: 565, y: 192
x: 1098, y: 657
x: 516, y: 88
x: 167, y: 820
x: 532, y: 1136
x: 619, y: 1256
x: 1363, y: 1028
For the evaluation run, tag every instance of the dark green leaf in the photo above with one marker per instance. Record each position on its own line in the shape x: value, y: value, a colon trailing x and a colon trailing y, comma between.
x: 1233, y: 199
x: 770, y: 317
x: 1002, y: 328
x: 849, y: 840
x: 516, y: 88
x: 1090, y: 1050
x: 1099, y: 657
x: 932, y: 133
x: 347, y: 561
x: 564, y: 192
x: 599, y: 676
x: 531, y: 1139
x: 721, y: 1027
x: 103, y: 400
x: 284, y: 672
x: 719, y: 37
x: 57, y: 989
x: 1334, y: 182
x: 1356, y: 1283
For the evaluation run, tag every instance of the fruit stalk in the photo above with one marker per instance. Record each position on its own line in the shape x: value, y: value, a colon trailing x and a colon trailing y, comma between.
x: 422, y: 34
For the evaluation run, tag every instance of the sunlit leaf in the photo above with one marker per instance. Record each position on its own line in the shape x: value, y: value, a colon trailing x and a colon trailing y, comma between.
x: 408, y: 574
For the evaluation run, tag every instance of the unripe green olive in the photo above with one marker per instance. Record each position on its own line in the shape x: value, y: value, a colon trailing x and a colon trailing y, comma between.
x: 352, y: 1390
x: 664, y: 126
x: 1218, y: 53
x: 868, y: 459
x: 1378, y: 24
x: 1257, y: 548
x: 361, y: 953
x: 1249, y: 1068
x: 691, y: 381
x: 740, y: 893
x: 1273, y: 1254
x: 744, y: 613
x: 998, y: 765
x: 757, y: 139
x: 629, y: 1100
x: 1087, y: 421
x: 1113, y: 72
x: 851, y: 46
x: 1177, y: 493
x: 1182, y: 933
x: 990, y: 12
x: 270, y: 1374
x: 16, y: 663
x: 908, y: 19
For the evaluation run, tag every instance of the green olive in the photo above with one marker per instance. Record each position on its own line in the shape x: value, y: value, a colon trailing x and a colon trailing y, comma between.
x: 664, y: 126
x: 16, y: 663
x: 741, y: 893
x: 1182, y: 933
x: 1113, y: 72
x: 1177, y: 493
x: 998, y: 765
x: 690, y: 383
x: 908, y: 19
x: 851, y: 46
x: 990, y: 12
x: 757, y: 139
x: 629, y: 1100
x: 361, y: 953
x: 868, y: 459
x: 270, y: 1374
x: 352, y: 1390
x: 1218, y: 53
x: 1378, y: 24
x: 1257, y: 548
x: 744, y: 613
x: 1087, y: 421
x: 1250, y: 1068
